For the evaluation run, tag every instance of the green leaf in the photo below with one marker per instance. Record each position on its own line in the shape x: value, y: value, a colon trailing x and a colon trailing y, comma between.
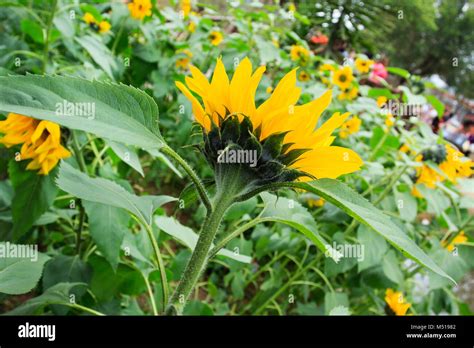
x: 375, y: 247
x: 363, y: 211
x: 333, y: 300
x: 107, y: 226
x: 436, y: 104
x: 100, y: 54
x: 293, y: 214
x: 406, y: 204
x: 454, y: 264
x: 381, y: 92
x: 34, y: 194
x: 189, y: 238
x: 20, y: 272
x: 33, y: 30
x: 116, y: 112
x: 128, y: 155
x: 399, y: 71
x: 107, y: 192
x: 57, y: 294
x: 391, y: 142
x: 391, y: 268
x: 340, y: 310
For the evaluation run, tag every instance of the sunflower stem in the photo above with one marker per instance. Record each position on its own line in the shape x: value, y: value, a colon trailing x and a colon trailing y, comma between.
x: 228, y: 185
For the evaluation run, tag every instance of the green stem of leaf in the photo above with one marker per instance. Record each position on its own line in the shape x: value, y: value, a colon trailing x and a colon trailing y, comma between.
x: 48, y: 34
x: 192, y: 175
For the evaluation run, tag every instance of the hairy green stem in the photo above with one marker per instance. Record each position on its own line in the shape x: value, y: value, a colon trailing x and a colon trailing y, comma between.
x: 193, y: 176
x: 49, y: 24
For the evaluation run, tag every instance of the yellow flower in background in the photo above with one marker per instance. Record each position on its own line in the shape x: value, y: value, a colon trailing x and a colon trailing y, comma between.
x: 186, y: 7
x: 327, y: 67
x: 428, y: 176
x: 381, y: 101
x: 292, y: 7
x: 41, y: 141
x: 88, y: 18
x: 303, y: 76
x: 140, y: 9
x: 459, y: 239
x: 299, y: 53
x: 275, y: 42
x: 456, y: 164
x: 389, y: 120
x: 404, y: 148
x: 396, y: 302
x: 363, y: 65
x: 183, y: 62
x: 278, y: 116
x: 215, y: 37
x: 343, y: 78
x: 315, y: 203
x: 192, y: 27
x: 326, y: 81
x: 350, y: 127
x: 269, y: 90
x: 104, y: 27
x: 348, y: 94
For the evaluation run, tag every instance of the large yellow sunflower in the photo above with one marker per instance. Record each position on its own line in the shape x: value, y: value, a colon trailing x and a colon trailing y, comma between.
x: 285, y: 133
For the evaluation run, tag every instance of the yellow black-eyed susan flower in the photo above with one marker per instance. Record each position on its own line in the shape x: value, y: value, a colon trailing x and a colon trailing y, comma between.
x: 299, y: 53
x: 350, y: 127
x: 363, y: 65
x: 140, y: 9
x: 460, y: 238
x: 215, y: 37
x: 303, y: 76
x: 343, y: 78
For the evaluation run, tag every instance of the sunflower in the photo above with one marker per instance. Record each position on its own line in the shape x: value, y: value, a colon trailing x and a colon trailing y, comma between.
x: 326, y: 67
x: 343, y: 78
x: 459, y: 239
x: 396, y: 304
x: 381, y: 101
x: 140, y: 9
x: 303, y: 76
x: 269, y: 90
x: 88, y: 18
x: 186, y: 7
x: 315, y: 203
x: 191, y: 27
x: 350, y: 127
x: 282, y: 134
x: 455, y: 164
x: 348, y: 94
x: 363, y: 65
x: 389, y: 120
x: 299, y: 53
x: 41, y: 141
x: 104, y: 27
x: 184, y: 61
x: 215, y: 37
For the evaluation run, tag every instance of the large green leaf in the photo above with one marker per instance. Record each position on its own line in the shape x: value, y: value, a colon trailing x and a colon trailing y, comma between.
x: 362, y: 210
x: 57, y: 294
x: 107, y: 226
x: 293, y: 214
x: 117, y: 112
x: 107, y: 192
x: 189, y: 238
x: 100, y: 54
x: 34, y: 194
x: 20, y: 272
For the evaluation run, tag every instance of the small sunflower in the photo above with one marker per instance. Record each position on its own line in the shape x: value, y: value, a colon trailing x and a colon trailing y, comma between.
x: 315, y: 203
x: 460, y: 238
x: 350, y: 127
x: 381, y: 101
x: 348, y: 94
x: 281, y: 133
x: 396, y: 304
x: 185, y: 59
x: 88, y: 18
x: 41, y: 141
x: 269, y: 90
x: 343, y: 78
x: 299, y: 53
x: 456, y: 165
x: 140, y: 9
x: 215, y: 37
x: 303, y: 76
x: 327, y: 67
x: 104, y: 27
x: 186, y: 7
x: 363, y: 65
x: 191, y: 27
x: 389, y: 120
